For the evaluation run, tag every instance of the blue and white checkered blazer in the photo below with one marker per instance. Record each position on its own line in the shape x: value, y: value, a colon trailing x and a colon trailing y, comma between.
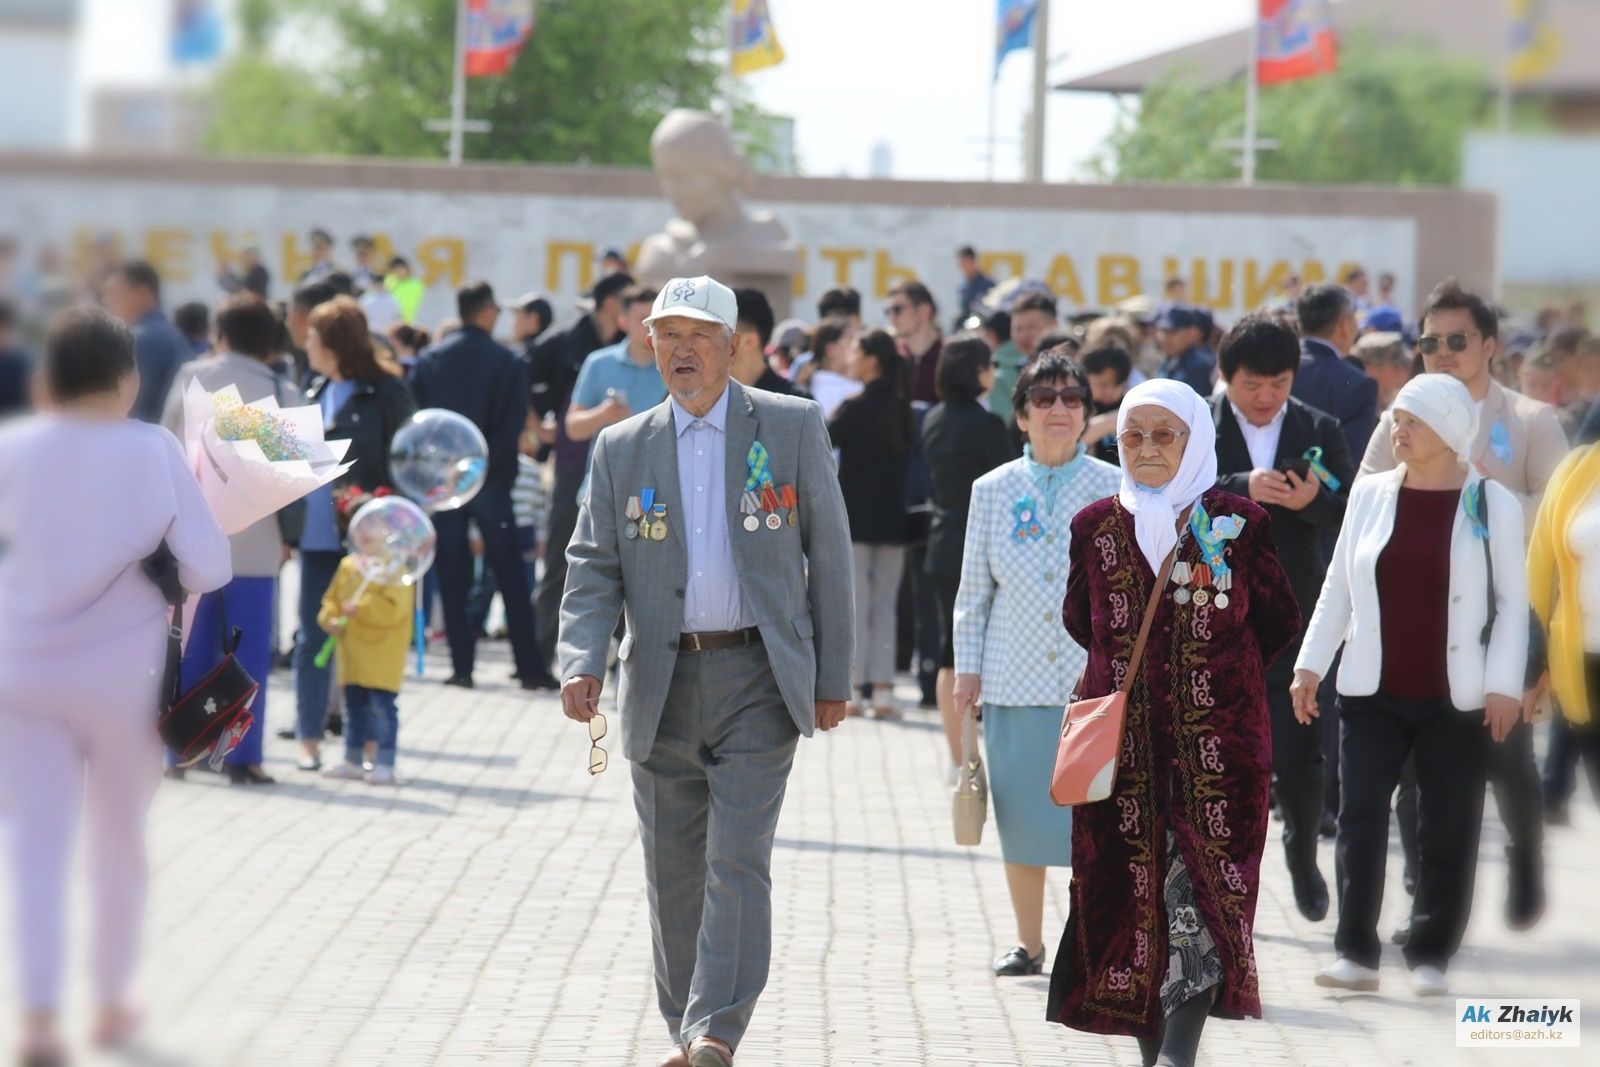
x: 1008, y: 612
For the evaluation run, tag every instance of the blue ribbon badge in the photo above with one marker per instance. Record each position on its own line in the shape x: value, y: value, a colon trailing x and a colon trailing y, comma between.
x: 1211, y: 535
x: 756, y: 461
x: 1472, y: 504
x: 1500, y: 442
x: 1028, y: 527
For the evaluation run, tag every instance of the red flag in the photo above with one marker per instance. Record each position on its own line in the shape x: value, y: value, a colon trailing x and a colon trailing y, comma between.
x: 496, y: 32
x: 1297, y: 41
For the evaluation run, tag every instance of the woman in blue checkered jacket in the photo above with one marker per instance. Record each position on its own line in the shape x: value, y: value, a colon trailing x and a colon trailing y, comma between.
x: 1012, y: 654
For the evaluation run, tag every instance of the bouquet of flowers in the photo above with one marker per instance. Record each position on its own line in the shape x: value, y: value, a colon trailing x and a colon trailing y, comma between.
x: 254, y: 459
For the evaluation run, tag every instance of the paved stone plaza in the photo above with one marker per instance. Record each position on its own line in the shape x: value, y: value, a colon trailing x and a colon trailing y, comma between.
x: 492, y: 912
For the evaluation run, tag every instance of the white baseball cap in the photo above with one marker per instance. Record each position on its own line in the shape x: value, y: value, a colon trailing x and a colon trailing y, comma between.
x: 702, y: 298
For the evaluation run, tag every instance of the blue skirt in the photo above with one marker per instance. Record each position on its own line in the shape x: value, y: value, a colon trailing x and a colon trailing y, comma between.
x: 248, y: 605
x: 1021, y: 745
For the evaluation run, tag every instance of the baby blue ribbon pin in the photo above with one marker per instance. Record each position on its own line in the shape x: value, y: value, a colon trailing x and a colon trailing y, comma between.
x: 1500, y: 442
x: 1313, y: 456
x: 1210, y: 534
x: 1472, y: 504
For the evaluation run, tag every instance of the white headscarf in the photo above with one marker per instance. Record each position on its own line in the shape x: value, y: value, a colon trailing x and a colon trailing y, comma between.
x: 1445, y: 406
x: 1156, y: 511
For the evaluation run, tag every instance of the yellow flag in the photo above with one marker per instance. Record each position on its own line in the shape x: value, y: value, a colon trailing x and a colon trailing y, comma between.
x: 755, y: 42
x: 1535, y: 45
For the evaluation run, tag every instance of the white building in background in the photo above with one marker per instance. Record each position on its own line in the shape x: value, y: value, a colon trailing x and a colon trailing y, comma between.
x: 37, y: 40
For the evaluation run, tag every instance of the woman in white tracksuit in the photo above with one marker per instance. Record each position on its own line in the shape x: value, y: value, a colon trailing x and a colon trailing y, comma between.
x: 86, y: 494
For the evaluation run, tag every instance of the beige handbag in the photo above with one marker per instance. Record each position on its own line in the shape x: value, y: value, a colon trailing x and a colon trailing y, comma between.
x: 969, y: 804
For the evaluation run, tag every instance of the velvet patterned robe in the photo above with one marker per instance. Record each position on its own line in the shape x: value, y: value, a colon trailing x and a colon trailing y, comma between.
x: 1196, y: 756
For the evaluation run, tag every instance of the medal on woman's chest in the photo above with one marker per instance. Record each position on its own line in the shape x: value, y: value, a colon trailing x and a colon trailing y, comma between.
x: 1028, y: 527
x: 1207, y: 582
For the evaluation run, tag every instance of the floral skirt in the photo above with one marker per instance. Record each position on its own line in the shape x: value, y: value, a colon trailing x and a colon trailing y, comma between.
x: 1193, y: 964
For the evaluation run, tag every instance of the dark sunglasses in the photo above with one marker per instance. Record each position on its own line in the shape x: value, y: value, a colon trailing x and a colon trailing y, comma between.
x: 1428, y: 343
x: 1044, y: 397
x: 894, y: 310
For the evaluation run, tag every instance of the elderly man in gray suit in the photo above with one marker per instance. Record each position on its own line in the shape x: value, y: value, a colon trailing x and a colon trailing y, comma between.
x: 714, y: 524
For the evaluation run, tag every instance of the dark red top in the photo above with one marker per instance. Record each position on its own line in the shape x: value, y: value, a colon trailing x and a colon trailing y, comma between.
x: 924, y: 372
x: 1414, y: 595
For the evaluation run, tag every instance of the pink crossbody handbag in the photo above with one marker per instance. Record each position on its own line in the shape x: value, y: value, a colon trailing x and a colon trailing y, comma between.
x: 1091, y: 730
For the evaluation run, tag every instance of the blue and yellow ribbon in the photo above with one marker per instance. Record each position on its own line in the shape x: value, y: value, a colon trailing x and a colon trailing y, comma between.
x: 756, y: 461
x: 1472, y: 503
x: 1313, y: 456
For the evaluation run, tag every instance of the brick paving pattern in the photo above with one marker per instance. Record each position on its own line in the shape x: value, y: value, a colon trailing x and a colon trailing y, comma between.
x: 491, y: 912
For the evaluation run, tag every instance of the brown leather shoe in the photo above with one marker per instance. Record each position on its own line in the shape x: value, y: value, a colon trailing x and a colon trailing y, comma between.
x: 678, y: 1057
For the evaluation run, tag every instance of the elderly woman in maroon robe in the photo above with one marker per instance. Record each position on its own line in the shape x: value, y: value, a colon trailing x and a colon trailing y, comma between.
x: 1165, y: 871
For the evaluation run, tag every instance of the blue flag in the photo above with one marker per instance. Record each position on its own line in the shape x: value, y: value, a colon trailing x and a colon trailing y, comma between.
x: 196, y: 32
x: 1013, y: 28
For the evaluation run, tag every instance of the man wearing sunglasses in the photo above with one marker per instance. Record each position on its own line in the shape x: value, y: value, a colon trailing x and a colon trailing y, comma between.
x: 740, y: 631
x: 913, y: 316
x: 1520, y: 443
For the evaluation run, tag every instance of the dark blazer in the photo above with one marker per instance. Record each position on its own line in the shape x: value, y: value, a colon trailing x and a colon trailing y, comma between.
x: 1330, y: 384
x: 872, y: 464
x: 474, y: 375
x: 16, y: 370
x: 369, y: 421
x: 961, y: 442
x: 1298, y: 535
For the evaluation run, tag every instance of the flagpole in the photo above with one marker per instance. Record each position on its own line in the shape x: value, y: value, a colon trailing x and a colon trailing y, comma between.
x: 1041, y: 69
x: 458, y: 88
x: 733, y: 76
x: 992, y: 79
x: 1252, y: 93
x: 1502, y: 153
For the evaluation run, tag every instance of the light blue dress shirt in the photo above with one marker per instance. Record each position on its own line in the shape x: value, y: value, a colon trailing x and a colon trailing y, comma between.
x: 712, y: 600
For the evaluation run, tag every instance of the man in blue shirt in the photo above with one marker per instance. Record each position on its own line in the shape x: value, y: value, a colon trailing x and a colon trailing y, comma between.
x: 975, y: 285
x: 621, y: 379
x: 1184, y: 334
x: 132, y: 292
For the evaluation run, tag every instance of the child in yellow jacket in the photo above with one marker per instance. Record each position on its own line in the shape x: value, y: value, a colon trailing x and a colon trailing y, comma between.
x: 374, y: 634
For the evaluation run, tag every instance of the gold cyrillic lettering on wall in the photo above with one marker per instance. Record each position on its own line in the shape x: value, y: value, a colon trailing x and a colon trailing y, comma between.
x: 225, y: 249
x: 797, y: 287
x: 582, y: 251
x: 292, y: 262
x: 1062, y: 279
x: 167, y: 250
x: 1200, y: 291
x: 887, y: 275
x: 1259, y: 290
x: 444, y: 259
x: 1116, y: 278
x: 841, y: 258
x: 1313, y: 272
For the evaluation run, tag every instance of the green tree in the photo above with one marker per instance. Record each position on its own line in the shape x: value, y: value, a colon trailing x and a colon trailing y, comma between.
x: 1393, y: 113
x: 350, y: 77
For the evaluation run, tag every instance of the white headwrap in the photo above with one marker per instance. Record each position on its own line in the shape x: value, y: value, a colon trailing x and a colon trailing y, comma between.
x: 1156, y: 511
x: 1446, y: 407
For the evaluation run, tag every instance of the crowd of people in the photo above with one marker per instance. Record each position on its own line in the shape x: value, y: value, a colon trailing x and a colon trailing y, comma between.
x: 1369, y: 547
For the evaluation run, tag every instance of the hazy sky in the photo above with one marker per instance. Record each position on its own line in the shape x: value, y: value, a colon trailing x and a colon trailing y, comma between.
x: 914, y: 74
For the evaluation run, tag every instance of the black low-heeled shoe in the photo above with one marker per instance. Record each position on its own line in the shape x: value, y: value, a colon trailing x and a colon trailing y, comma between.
x: 241, y: 774
x: 1018, y: 964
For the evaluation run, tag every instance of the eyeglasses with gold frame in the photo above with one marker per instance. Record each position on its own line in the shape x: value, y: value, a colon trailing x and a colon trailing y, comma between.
x: 597, y: 755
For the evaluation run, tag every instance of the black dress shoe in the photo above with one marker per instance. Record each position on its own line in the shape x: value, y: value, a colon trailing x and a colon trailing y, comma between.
x: 1330, y: 826
x: 1017, y: 963
x: 1402, y: 933
x: 1310, y: 894
x: 1525, y: 894
x: 286, y: 733
x: 240, y: 774
x: 460, y: 681
x: 336, y: 725
x: 542, y: 682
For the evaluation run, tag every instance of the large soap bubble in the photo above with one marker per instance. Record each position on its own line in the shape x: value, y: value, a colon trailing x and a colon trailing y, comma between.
x: 393, y: 541
x: 439, y: 459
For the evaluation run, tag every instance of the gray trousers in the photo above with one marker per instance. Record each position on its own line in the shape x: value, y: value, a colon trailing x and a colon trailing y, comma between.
x: 708, y: 799
x: 877, y: 577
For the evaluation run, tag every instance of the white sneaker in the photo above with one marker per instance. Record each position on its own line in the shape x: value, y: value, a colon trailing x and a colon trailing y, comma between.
x: 1429, y: 981
x: 348, y: 772
x: 1348, y: 974
x: 382, y: 776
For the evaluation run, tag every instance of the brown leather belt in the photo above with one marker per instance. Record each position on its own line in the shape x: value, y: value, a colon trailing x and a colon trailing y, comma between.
x: 716, y: 641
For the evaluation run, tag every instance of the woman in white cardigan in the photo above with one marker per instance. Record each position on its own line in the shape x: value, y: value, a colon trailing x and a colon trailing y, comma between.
x: 1430, y: 670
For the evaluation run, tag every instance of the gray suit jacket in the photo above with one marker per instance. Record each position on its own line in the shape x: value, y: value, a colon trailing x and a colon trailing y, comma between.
x: 795, y: 581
